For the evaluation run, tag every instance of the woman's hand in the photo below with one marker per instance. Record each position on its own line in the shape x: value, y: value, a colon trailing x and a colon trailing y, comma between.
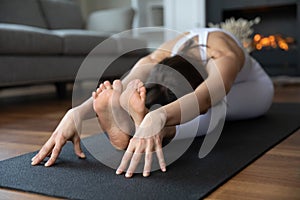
x: 147, y: 139
x: 65, y: 131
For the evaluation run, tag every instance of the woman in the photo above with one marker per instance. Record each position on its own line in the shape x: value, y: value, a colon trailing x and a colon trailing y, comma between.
x: 231, y: 72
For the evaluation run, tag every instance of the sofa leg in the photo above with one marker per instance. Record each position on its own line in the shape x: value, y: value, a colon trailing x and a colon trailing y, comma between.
x: 61, y: 90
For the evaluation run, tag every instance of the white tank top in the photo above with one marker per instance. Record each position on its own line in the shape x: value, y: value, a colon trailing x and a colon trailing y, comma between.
x: 202, y: 34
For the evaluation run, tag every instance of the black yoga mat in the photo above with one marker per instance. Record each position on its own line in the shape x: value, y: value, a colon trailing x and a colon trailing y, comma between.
x: 189, y: 177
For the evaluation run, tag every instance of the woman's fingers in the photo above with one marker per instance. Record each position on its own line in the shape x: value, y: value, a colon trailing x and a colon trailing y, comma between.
x: 125, y: 160
x: 53, y: 146
x: 133, y: 164
x: 148, y: 158
x: 33, y: 158
x: 54, y: 155
x: 132, y: 156
x: 139, y: 149
x: 43, y: 153
x: 148, y: 162
x: 160, y: 155
x: 135, y: 152
x: 77, y: 148
x: 161, y: 159
x: 59, y: 143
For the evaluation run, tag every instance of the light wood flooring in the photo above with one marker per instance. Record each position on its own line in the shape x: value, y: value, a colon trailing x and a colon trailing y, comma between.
x: 26, y: 122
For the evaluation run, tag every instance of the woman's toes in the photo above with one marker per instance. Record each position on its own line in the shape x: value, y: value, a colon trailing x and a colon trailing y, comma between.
x: 94, y: 95
x: 107, y: 85
x: 102, y: 87
x: 117, y: 86
x: 140, y: 84
x: 143, y: 93
x: 98, y: 91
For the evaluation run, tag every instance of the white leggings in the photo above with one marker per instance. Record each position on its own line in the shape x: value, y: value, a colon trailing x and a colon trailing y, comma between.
x: 246, y: 99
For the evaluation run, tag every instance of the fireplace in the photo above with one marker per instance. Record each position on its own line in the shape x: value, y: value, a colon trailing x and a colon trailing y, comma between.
x: 275, y: 39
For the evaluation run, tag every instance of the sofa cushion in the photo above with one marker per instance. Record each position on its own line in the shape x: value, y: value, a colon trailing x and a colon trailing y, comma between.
x: 120, y: 19
x: 22, y: 39
x: 25, y: 12
x: 127, y: 44
x: 62, y: 14
x: 82, y: 41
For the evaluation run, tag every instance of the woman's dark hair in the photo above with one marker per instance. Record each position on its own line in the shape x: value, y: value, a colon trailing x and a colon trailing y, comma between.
x: 180, y: 73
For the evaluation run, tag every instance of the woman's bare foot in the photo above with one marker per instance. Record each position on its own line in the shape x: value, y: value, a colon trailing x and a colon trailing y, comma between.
x: 112, y: 117
x: 133, y: 101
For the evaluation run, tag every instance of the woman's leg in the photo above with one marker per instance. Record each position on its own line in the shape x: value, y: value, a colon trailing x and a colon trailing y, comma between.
x: 196, y: 127
x: 249, y: 99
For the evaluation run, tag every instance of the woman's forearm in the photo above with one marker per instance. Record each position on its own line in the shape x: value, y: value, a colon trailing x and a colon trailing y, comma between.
x: 196, y: 103
x: 221, y: 75
x: 185, y: 109
x: 85, y: 110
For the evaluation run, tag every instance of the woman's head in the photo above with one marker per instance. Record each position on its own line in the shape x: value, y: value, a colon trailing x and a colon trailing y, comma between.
x: 172, y: 78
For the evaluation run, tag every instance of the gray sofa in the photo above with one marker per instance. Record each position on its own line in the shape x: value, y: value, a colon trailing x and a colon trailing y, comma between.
x: 45, y: 41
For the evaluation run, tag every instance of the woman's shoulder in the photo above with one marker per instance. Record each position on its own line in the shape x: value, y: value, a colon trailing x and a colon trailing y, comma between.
x: 217, y: 32
x: 222, y: 44
x: 214, y: 32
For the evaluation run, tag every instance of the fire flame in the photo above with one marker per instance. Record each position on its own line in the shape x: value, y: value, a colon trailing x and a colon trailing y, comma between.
x: 273, y: 41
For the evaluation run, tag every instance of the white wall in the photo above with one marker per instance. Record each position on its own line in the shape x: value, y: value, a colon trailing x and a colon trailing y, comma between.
x: 143, y: 15
x: 183, y: 15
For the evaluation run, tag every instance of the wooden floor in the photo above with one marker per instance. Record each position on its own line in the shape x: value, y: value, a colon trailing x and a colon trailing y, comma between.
x: 27, y: 121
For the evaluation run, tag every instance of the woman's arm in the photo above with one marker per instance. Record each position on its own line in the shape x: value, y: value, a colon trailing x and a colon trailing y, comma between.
x: 228, y: 59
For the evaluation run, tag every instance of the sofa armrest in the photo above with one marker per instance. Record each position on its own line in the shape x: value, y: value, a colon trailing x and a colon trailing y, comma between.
x: 111, y: 21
